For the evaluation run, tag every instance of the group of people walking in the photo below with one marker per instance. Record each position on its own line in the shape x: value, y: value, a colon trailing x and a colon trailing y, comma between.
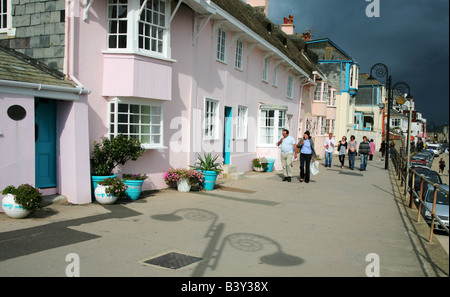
x: 366, y: 150
x: 290, y: 149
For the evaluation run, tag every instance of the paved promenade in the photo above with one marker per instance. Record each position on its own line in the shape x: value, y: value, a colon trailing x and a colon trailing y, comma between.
x: 337, y: 225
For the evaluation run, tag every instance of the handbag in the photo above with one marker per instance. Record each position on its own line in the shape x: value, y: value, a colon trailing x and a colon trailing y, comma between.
x: 314, y: 168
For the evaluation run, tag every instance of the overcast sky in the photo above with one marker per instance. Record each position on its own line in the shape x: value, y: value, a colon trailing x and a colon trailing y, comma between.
x: 411, y: 37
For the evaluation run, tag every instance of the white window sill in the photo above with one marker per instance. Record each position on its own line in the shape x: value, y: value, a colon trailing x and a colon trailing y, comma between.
x: 220, y: 61
x: 131, y: 52
x: 154, y: 147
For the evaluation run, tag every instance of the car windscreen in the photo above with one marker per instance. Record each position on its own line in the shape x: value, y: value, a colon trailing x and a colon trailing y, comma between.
x: 432, y: 176
x: 441, y: 197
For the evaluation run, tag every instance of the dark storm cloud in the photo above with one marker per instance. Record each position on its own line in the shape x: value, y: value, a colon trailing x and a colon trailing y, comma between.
x: 411, y: 37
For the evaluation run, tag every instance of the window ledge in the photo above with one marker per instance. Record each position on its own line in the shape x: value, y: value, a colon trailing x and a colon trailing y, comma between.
x: 154, y: 147
x: 130, y: 52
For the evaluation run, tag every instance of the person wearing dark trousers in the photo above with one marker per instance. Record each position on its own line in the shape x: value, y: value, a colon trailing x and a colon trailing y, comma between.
x: 307, y: 154
x: 342, y: 149
x: 352, y: 152
x: 364, y: 151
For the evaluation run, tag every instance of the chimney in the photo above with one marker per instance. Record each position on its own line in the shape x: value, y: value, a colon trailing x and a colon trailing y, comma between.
x: 288, y: 25
x: 263, y: 5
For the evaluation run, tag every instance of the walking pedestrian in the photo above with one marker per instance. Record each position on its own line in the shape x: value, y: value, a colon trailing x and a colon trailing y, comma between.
x: 419, y: 145
x: 441, y: 166
x: 383, y: 149
x: 329, y: 145
x: 372, y: 149
x: 288, y: 150
x: 307, y: 154
x: 352, y: 152
x: 342, y: 149
x: 364, y: 151
x: 391, y: 147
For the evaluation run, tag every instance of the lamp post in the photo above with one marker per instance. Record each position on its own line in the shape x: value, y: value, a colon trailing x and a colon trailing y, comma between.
x: 408, y: 143
x: 381, y: 70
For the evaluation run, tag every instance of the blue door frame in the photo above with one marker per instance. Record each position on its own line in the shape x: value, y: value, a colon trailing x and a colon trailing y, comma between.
x: 45, y: 143
x: 228, y: 124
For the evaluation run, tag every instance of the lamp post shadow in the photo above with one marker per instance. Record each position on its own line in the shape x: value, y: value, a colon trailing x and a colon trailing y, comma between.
x: 246, y: 242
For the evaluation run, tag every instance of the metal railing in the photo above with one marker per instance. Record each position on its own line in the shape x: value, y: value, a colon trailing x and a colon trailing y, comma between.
x: 400, y: 163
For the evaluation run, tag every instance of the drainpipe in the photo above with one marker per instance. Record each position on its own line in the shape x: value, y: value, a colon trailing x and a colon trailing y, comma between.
x: 302, y: 87
x: 69, y: 43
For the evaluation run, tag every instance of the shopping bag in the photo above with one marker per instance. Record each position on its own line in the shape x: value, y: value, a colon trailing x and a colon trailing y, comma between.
x: 314, y: 168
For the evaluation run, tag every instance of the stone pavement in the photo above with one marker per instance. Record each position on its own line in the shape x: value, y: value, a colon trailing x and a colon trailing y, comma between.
x: 339, y: 224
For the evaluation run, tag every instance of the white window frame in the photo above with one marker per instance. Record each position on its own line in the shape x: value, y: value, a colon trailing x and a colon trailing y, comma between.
x: 265, y: 72
x: 242, y: 122
x: 396, y: 122
x: 323, y: 125
x: 211, y: 119
x: 272, y: 126
x: 133, y: 20
x: 321, y: 92
x: 354, y: 75
x: 151, y: 130
x: 332, y: 97
x: 290, y: 87
x: 6, y: 27
x: 239, y: 62
x: 325, y: 92
x: 275, y: 76
x: 221, y: 51
x: 318, y: 92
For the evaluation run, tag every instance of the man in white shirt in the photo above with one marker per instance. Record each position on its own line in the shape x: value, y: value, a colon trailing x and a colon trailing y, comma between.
x: 329, y: 144
x: 288, y: 150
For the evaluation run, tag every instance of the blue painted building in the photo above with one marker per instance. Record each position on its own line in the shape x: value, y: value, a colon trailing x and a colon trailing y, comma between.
x: 342, y: 72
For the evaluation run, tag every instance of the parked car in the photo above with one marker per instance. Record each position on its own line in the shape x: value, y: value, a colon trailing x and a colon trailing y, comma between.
x: 441, y: 206
x: 420, y: 160
x: 435, y: 147
x: 429, y: 153
x: 427, y: 156
x: 429, y: 174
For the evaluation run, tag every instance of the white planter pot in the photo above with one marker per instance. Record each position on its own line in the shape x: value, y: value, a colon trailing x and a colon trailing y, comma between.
x: 102, y: 197
x: 183, y: 185
x: 259, y: 169
x: 12, y: 209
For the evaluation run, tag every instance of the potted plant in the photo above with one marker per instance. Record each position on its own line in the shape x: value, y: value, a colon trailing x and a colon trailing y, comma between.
x: 184, y: 179
x: 20, y: 201
x: 133, y: 182
x: 210, y: 169
x: 110, y: 153
x: 260, y: 164
x: 109, y: 190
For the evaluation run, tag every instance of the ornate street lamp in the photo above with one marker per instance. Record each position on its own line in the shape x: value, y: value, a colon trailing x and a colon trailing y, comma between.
x: 381, y: 70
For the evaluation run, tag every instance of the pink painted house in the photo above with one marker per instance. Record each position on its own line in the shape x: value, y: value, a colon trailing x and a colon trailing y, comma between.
x: 184, y: 77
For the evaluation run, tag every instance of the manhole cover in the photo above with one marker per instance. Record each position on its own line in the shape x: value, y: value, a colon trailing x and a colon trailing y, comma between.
x: 173, y: 260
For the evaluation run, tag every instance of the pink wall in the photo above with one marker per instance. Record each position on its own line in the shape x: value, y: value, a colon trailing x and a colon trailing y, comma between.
x: 194, y: 76
x: 74, y: 170
x: 16, y: 143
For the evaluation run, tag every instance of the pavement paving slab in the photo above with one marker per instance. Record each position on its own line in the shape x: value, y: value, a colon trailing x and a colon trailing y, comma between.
x: 344, y: 223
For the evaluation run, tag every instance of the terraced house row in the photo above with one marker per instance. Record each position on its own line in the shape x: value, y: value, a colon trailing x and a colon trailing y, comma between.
x: 184, y: 77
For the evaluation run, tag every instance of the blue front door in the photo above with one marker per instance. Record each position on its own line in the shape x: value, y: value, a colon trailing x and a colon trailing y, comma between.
x: 227, y: 135
x: 45, y: 143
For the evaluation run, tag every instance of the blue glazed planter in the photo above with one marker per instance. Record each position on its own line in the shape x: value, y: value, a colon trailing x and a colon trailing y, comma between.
x: 210, y: 180
x: 97, y: 178
x: 134, y: 188
x: 270, y: 164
